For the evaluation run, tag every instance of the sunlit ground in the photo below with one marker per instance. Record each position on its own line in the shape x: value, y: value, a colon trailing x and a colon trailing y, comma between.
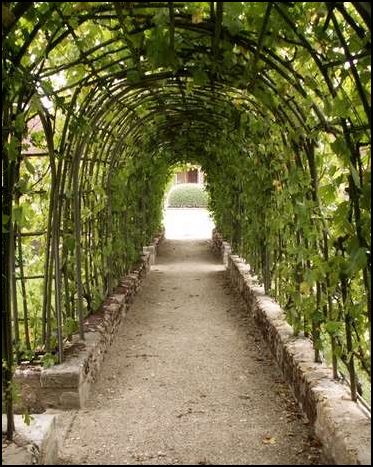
x: 187, y: 224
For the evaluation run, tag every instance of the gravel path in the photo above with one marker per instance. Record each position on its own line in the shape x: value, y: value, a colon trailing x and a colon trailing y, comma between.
x: 188, y: 381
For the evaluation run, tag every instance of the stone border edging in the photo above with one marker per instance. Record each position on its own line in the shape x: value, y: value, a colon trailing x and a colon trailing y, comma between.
x: 36, y: 443
x: 67, y: 385
x: 339, y: 423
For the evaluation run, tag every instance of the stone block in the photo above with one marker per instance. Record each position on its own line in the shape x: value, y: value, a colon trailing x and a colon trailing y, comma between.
x: 66, y: 375
x: 19, y: 455
x: 36, y: 443
x: 118, y: 298
x: 151, y: 249
x: 70, y: 400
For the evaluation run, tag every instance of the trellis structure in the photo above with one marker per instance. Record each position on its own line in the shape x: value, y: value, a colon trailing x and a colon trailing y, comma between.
x: 270, y: 98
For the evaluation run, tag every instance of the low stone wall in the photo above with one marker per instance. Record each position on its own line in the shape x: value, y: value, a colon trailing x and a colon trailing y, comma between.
x: 339, y: 423
x: 67, y: 385
x: 36, y: 443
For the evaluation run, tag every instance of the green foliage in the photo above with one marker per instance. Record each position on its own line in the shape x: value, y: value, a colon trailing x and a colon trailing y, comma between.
x: 126, y: 99
x: 48, y: 360
x: 70, y: 327
x: 27, y: 418
x: 264, y: 205
x: 12, y: 148
x: 187, y: 195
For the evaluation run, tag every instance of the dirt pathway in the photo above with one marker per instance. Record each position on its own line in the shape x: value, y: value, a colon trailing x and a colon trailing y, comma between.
x: 187, y: 380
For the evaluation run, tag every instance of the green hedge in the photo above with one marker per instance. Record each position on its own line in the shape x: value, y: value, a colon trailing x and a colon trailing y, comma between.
x: 187, y: 195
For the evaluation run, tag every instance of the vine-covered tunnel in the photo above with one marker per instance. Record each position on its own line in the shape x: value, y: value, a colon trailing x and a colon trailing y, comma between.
x: 102, y: 99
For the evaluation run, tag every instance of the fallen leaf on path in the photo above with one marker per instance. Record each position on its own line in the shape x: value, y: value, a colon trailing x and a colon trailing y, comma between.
x: 190, y: 411
x: 269, y: 440
x: 244, y: 396
x: 203, y: 462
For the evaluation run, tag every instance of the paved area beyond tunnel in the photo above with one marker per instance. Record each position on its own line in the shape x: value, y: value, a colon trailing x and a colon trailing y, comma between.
x: 188, y: 224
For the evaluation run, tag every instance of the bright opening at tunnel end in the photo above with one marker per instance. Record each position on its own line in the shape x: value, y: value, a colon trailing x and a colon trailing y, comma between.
x: 188, y: 224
